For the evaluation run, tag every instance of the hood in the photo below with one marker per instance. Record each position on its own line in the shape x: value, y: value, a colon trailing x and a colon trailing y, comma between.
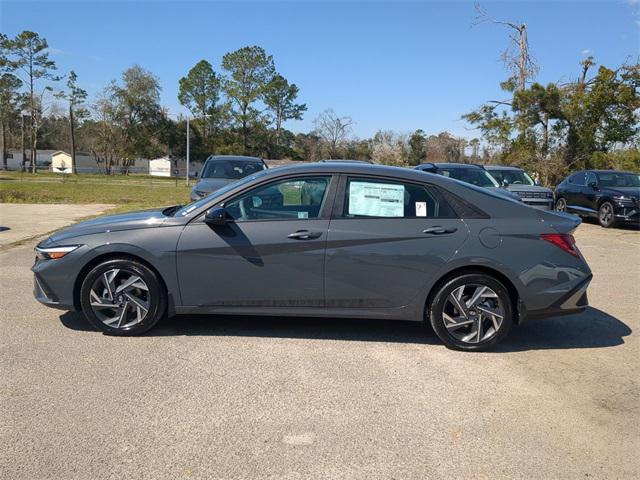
x: 504, y: 192
x: 112, y: 223
x: 209, y: 185
x: 623, y: 191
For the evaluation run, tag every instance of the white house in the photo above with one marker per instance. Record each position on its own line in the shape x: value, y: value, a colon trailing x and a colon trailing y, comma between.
x: 61, y: 162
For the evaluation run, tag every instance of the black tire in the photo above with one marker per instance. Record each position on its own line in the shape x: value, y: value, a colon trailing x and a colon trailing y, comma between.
x: 439, y: 301
x: 155, y: 296
x: 606, y: 215
x: 561, y: 205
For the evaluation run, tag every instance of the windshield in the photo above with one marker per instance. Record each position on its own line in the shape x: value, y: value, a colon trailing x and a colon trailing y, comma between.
x: 616, y: 179
x: 234, y: 169
x: 474, y: 176
x: 190, y: 207
x: 513, y: 177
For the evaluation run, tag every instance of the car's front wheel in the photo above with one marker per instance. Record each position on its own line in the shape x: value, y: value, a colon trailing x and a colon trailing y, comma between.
x: 471, y: 311
x: 122, y: 296
x: 606, y: 215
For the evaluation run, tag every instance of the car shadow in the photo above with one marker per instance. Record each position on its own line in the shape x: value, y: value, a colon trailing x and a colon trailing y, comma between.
x: 591, y: 329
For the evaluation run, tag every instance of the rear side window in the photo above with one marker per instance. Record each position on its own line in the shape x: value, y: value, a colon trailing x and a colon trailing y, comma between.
x: 578, y: 179
x: 372, y: 198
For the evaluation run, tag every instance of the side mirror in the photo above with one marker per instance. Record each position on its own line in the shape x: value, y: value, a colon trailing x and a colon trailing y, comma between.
x: 216, y: 217
x: 195, y: 175
x: 593, y: 185
x: 536, y: 183
x: 505, y: 182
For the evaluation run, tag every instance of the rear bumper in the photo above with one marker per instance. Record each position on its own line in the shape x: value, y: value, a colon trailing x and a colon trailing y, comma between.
x: 573, y: 301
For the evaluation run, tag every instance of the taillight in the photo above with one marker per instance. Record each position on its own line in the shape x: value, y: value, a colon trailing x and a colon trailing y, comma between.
x: 562, y: 240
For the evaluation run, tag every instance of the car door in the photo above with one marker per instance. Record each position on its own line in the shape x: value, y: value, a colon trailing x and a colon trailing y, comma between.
x: 588, y: 199
x: 386, y: 239
x: 270, y: 253
x: 573, y: 190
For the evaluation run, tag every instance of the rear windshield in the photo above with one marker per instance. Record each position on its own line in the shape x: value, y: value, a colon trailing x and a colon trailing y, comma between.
x: 474, y: 176
x: 233, y: 169
x: 614, y: 179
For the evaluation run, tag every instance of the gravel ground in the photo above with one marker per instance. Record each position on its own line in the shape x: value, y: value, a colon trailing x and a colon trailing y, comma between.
x: 223, y: 397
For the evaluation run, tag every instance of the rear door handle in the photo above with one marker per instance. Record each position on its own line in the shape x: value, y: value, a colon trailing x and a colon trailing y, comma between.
x: 439, y: 230
x: 304, y: 235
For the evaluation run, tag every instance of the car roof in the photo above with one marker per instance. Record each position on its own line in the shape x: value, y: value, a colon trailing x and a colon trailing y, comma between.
x: 355, y: 168
x: 610, y: 171
x: 237, y: 158
x: 343, y: 160
x: 503, y: 167
x: 457, y: 165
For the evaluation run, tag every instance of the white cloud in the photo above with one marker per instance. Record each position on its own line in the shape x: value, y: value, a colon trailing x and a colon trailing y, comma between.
x: 632, y: 2
x: 586, y: 51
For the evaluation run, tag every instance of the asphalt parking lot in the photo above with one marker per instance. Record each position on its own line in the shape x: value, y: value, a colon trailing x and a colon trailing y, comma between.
x: 225, y: 397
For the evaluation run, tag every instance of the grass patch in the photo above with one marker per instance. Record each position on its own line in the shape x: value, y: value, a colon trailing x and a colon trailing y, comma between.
x: 126, y: 195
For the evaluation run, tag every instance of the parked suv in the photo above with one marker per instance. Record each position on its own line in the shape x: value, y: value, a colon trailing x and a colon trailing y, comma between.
x: 609, y: 195
x: 516, y: 180
x: 468, y: 173
x: 220, y: 170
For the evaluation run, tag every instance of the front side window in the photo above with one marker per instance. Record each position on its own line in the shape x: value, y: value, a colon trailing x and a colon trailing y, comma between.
x: 298, y: 198
x: 231, y: 169
x: 388, y: 199
x: 591, y: 178
x: 474, y: 176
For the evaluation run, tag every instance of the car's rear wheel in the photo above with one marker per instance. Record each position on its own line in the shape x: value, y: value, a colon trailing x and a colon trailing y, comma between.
x: 606, y: 215
x: 471, y: 312
x: 561, y: 205
x: 123, y: 297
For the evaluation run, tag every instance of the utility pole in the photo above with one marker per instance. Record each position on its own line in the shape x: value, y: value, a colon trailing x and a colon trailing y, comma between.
x: 188, y: 134
x: 23, y: 160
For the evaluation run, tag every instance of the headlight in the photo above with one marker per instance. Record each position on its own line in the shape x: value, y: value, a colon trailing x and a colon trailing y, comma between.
x: 54, y: 253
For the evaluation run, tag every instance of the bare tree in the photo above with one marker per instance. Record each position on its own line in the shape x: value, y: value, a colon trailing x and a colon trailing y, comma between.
x: 332, y: 129
x: 517, y: 56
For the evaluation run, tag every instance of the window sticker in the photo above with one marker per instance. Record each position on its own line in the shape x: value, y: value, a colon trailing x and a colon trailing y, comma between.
x: 303, y: 214
x: 421, y: 209
x: 376, y: 199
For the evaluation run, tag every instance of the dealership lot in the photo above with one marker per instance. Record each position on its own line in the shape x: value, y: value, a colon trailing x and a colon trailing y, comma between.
x: 225, y: 397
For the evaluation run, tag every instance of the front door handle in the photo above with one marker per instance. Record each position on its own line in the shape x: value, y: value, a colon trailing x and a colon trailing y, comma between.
x: 439, y: 230
x: 304, y: 235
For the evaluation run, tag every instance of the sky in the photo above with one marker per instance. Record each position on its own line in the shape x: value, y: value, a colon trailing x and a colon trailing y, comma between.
x: 387, y: 64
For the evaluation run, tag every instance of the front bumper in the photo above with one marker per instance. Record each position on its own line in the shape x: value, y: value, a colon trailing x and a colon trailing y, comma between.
x: 45, y: 295
x: 627, y: 214
x: 546, y: 205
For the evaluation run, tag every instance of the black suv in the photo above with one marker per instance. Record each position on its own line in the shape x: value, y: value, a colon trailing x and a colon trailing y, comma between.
x: 609, y: 195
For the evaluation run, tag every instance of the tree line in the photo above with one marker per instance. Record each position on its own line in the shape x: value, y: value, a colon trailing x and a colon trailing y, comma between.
x: 242, y: 107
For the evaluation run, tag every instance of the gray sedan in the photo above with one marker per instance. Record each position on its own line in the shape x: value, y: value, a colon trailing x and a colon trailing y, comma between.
x: 324, y: 239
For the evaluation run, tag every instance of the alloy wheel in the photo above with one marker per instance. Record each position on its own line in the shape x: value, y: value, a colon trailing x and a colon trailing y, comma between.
x: 473, y: 313
x: 606, y: 214
x: 561, y: 205
x: 120, y: 298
